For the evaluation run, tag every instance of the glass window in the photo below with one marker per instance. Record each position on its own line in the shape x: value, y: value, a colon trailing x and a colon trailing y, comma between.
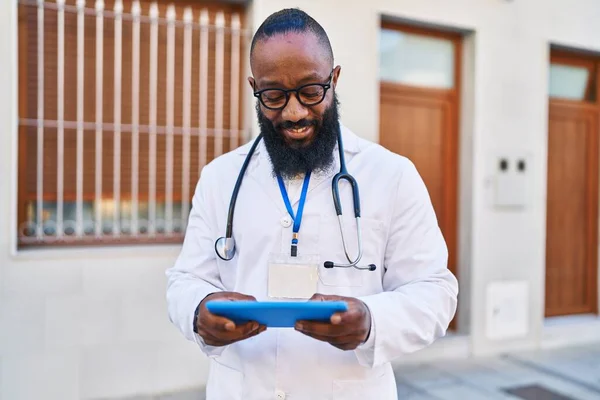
x: 107, y: 207
x: 416, y: 60
x: 569, y: 82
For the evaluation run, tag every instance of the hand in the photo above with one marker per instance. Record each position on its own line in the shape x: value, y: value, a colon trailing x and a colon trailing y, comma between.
x: 346, y: 330
x: 221, y: 331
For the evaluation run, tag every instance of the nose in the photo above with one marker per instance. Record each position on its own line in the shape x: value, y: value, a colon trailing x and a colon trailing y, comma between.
x: 294, y: 111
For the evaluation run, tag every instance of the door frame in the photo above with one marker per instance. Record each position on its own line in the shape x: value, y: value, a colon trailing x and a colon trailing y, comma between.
x: 592, y: 63
x: 452, y: 150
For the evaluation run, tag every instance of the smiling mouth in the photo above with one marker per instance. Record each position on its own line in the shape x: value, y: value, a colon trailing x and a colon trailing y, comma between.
x: 298, y: 133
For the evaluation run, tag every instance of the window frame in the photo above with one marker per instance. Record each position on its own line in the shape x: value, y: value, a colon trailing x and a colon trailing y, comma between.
x: 21, y: 195
x: 455, y: 37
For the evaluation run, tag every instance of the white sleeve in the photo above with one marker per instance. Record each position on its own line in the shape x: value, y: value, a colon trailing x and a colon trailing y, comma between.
x: 370, y: 342
x: 419, y: 297
x: 195, y: 274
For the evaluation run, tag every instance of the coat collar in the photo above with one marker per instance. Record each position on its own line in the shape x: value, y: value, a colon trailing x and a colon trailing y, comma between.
x: 260, y: 168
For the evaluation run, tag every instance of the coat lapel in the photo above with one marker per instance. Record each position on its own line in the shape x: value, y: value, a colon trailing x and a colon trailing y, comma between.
x: 261, y: 171
x: 350, y: 144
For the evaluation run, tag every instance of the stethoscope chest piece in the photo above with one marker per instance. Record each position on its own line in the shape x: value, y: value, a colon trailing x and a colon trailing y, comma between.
x: 225, y: 248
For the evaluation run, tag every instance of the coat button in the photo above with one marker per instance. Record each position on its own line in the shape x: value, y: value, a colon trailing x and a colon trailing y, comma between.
x: 286, y: 221
x: 280, y: 395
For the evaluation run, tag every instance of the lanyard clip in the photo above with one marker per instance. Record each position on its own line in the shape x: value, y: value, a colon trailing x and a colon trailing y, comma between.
x: 294, y: 249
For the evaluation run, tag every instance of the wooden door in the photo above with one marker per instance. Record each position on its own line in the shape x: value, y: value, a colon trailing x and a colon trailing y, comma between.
x: 418, y: 124
x: 420, y: 121
x: 572, y: 186
x: 572, y: 204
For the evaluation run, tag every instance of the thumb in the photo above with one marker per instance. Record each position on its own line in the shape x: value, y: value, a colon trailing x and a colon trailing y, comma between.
x: 318, y: 297
x: 336, y: 319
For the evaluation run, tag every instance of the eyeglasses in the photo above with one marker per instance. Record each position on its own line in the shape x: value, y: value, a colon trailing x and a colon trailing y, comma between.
x: 308, y: 95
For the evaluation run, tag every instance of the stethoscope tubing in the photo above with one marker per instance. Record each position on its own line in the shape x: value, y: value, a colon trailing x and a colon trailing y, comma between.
x: 236, y: 188
x: 227, y: 243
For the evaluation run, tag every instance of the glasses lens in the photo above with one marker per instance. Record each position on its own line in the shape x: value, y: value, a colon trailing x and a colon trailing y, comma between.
x: 273, y: 98
x: 312, y: 94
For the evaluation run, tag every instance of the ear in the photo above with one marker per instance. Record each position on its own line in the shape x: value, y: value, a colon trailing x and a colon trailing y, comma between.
x: 336, y: 75
x: 251, y: 82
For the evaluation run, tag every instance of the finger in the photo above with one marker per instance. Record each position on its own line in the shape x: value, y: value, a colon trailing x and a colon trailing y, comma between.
x: 252, y: 333
x: 217, y: 323
x: 240, y: 296
x: 248, y: 328
x: 338, y: 340
x: 337, y: 318
x: 317, y: 297
x: 349, y: 316
x: 321, y: 328
x: 258, y: 331
x: 240, y: 333
x: 326, y: 297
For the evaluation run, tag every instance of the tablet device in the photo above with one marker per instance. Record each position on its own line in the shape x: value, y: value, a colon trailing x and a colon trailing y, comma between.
x: 276, y: 314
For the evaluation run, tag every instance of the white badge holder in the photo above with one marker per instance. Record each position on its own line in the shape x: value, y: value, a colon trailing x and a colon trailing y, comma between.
x: 293, y: 277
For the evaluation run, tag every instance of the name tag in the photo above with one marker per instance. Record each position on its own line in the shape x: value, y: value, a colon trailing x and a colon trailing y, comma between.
x: 293, y: 277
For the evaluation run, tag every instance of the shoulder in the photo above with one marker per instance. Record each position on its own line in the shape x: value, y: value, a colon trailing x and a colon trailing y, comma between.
x: 221, y: 172
x: 222, y: 166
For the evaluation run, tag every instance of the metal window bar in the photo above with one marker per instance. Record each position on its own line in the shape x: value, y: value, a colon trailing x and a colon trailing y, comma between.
x: 153, y: 106
x: 135, y: 114
x: 116, y: 228
x: 80, y: 115
x: 99, y: 92
x: 168, y: 225
x: 203, y: 114
x: 39, y: 123
x: 188, y: 18
x: 39, y: 228
x: 219, y: 66
x: 235, y: 77
x: 60, y: 85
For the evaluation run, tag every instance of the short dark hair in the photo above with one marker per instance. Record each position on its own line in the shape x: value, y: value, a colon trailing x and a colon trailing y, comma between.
x: 291, y: 20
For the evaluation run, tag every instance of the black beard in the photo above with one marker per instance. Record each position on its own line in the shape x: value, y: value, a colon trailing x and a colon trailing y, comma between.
x: 288, y: 160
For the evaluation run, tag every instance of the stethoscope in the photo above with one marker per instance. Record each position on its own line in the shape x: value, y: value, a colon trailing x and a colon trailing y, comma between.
x: 225, y: 246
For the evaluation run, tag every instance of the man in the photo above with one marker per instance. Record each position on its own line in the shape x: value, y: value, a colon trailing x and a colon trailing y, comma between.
x: 400, y: 307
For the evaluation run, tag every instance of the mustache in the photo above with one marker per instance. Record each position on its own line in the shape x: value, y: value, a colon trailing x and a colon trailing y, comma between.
x: 303, y: 123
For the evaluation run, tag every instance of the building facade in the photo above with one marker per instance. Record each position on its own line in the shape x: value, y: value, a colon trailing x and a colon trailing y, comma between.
x: 496, y: 102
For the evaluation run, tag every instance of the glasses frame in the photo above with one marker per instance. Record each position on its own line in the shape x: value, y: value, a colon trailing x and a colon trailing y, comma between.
x: 287, y: 92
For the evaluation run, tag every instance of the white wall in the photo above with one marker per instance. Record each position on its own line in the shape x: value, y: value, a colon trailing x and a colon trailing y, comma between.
x: 509, y: 42
x: 79, y: 324
x: 85, y: 324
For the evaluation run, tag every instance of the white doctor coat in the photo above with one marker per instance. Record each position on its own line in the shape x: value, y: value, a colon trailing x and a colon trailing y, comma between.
x: 412, y: 295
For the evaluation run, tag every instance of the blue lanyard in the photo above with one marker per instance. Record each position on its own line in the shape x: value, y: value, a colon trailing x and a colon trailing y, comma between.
x: 298, y: 218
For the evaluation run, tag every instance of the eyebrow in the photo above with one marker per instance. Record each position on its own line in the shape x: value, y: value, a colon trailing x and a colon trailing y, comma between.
x: 310, y: 78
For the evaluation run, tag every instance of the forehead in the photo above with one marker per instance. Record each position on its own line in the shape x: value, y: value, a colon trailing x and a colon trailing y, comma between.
x: 290, y: 59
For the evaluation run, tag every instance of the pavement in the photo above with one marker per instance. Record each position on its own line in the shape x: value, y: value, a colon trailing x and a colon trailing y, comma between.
x: 560, y: 374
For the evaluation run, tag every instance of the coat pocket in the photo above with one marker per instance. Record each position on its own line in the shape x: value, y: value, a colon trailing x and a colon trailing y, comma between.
x: 225, y: 383
x: 332, y: 249
x: 380, y: 387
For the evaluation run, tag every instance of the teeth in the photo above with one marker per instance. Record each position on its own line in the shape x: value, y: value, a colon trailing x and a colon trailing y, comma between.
x: 298, y: 130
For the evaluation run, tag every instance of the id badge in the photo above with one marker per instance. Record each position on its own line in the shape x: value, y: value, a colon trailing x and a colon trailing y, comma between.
x: 293, y: 277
